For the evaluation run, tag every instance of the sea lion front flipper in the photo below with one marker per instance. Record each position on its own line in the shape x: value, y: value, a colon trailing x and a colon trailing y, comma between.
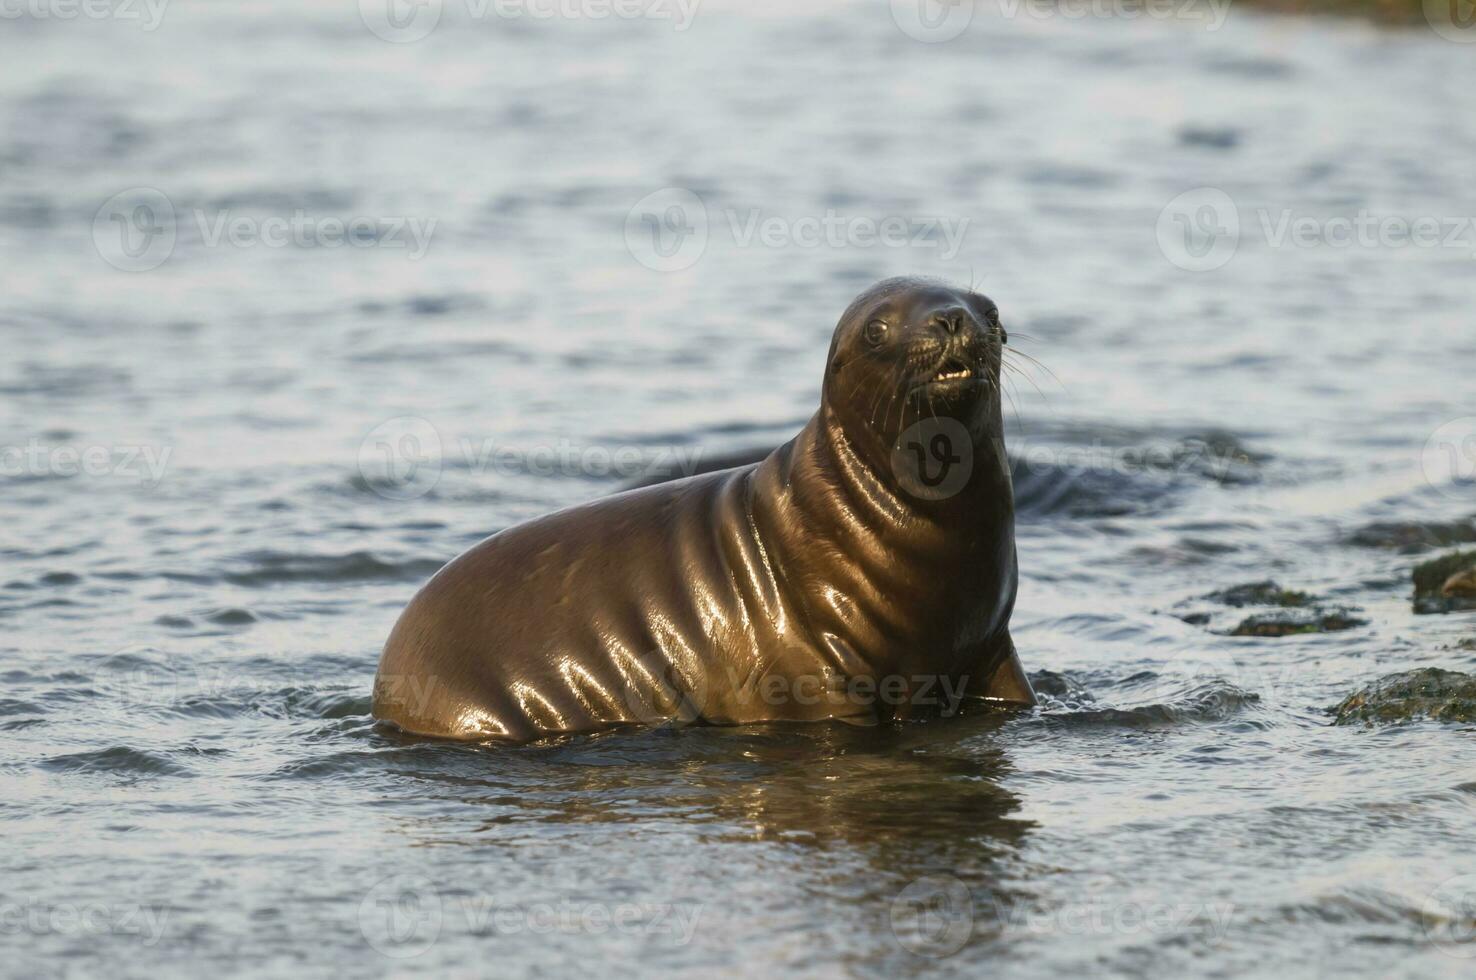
x: 1009, y: 683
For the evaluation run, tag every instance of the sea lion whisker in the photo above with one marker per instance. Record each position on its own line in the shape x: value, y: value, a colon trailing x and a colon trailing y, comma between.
x: 1036, y: 362
x: 1019, y: 371
x: 1023, y: 367
x: 1014, y: 406
x: 875, y: 404
x: 857, y: 386
x: 899, y: 395
x: 896, y: 385
x: 1015, y: 371
x: 881, y: 392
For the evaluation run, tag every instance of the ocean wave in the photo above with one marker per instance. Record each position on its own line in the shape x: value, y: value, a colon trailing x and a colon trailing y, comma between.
x: 271, y: 567
x: 1212, y: 701
x: 120, y: 759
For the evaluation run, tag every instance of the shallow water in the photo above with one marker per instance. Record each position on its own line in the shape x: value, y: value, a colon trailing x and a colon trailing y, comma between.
x: 191, y: 778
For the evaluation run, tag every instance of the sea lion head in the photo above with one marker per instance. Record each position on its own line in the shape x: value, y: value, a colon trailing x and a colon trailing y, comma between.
x: 915, y: 351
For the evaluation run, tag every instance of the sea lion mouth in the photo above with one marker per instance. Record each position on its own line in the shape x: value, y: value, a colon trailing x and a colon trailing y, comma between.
x: 953, y: 371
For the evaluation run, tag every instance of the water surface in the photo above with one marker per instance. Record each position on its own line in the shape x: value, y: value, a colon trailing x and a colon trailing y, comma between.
x: 192, y: 780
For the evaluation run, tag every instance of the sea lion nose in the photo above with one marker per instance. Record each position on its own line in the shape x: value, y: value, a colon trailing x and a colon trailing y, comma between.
x: 950, y: 321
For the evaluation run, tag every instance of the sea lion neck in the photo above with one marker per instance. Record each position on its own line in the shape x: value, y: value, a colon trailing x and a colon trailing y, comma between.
x: 869, y: 491
x: 829, y: 484
x: 871, y: 570
x: 883, y: 478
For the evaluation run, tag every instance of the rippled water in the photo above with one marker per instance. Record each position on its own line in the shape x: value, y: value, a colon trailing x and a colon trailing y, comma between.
x: 192, y: 621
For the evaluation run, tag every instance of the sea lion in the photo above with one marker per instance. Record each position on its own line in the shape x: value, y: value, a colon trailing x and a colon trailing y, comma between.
x: 864, y: 571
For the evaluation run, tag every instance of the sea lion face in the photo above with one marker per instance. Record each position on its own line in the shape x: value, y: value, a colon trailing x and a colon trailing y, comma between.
x: 908, y: 350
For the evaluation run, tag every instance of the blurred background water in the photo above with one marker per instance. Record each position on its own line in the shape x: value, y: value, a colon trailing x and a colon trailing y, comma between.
x: 234, y: 445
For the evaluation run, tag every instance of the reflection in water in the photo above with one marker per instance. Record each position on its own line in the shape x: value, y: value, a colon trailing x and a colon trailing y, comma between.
x: 920, y: 794
x: 879, y: 807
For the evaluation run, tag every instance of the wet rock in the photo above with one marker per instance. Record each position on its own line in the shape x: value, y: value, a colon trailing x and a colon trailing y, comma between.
x: 1221, y: 457
x: 1446, y: 695
x: 1266, y: 593
x: 1292, y: 622
x: 1445, y: 584
x: 1284, y: 612
x: 1409, y: 537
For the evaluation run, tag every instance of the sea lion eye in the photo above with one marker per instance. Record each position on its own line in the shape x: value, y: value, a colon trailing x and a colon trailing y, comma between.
x: 876, y: 332
x: 993, y: 318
